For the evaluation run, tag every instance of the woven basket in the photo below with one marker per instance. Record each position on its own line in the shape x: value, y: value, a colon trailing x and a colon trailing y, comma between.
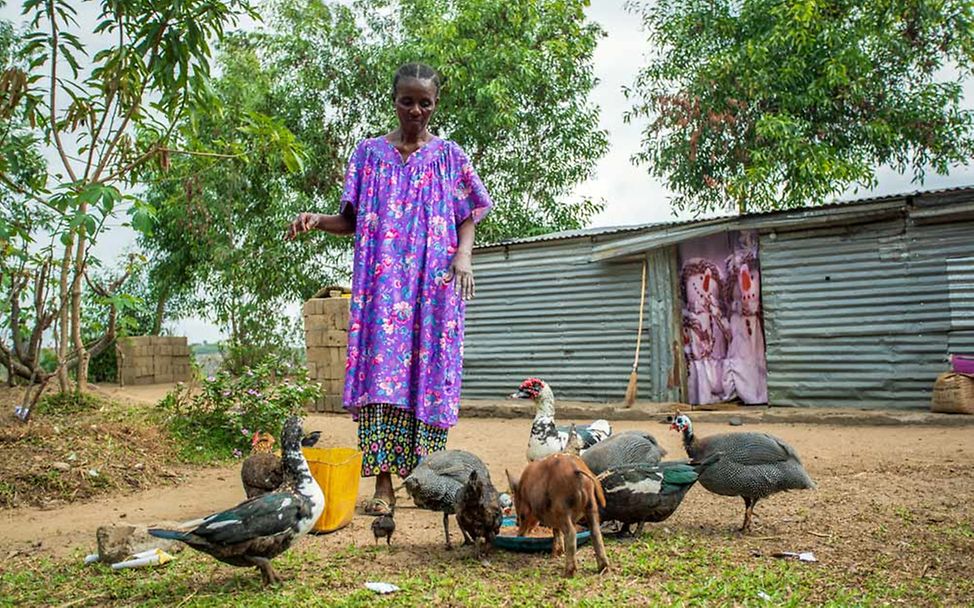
x: 953, y: 394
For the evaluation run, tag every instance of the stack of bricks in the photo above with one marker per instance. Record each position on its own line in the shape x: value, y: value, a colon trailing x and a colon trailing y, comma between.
x: 326, y: 340
x: 153, y: 360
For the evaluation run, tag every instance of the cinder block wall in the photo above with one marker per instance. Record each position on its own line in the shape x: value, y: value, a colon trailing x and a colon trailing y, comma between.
x: 326, y: 341
x: 153, y: 360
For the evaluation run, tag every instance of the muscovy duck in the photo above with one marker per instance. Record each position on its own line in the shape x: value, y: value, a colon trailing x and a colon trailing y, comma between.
x: 546, y: 438
x: 259, y: 529
x: 640, y: 493
x: 752, y: 465
x: 436, y: 482
x: 262, y: 472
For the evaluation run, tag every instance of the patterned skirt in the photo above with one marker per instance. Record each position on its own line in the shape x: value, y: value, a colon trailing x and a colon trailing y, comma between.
x: 393, y: 440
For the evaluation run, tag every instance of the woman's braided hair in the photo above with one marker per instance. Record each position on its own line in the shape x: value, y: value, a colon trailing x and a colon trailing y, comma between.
x: 419, y: 71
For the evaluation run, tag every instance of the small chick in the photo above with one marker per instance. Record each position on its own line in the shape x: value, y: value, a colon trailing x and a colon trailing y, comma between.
x: 384, y: 525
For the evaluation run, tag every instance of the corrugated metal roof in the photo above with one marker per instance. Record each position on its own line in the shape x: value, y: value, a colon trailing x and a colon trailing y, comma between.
x: 572, y: 234
x: 749, y: 221
x: 861, y: 210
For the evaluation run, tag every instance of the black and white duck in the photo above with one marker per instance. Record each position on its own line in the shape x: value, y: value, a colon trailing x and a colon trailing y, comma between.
x: 546, y: 438
x: 435, y: 484
x: 261, y: 528
x: 640, y: 493
x: 751, y: 465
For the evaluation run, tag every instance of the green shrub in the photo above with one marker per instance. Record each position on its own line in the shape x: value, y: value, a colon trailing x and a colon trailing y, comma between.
x: 67, y: 403
x: 220, y: 418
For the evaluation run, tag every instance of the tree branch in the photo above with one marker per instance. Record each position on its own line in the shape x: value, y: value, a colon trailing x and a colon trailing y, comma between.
x: 107, y: 154
x: 53, y: 96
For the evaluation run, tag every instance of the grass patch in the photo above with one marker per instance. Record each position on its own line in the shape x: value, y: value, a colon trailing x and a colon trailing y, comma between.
x: 68, y: 403
x: 673, y: 570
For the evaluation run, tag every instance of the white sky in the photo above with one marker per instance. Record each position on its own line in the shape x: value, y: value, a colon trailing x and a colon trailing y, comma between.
x: 630, y: 195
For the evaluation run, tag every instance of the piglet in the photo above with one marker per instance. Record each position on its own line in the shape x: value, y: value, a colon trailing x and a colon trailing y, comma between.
x: 557, y: 492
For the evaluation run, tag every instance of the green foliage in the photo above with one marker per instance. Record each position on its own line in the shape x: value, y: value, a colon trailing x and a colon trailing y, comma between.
x: 767, y: 104
x: 217, y: 244
x: 67, y: 403
x: 219, y: 418
x: 105, y: 102
x: 517, y: 79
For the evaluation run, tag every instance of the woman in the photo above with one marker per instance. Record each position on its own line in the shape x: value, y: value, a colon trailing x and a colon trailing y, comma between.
x: 411, y: 199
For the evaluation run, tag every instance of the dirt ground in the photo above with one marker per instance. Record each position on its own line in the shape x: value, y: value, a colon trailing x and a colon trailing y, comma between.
x: 894, y: 492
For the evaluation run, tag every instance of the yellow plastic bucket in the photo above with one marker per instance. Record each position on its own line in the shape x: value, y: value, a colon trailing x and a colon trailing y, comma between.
x: 337, y: 471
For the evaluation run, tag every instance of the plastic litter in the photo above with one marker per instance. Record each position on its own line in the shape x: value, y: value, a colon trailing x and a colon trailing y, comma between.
x: 152, y: 557
x: 764, y: 596
x: 381, y: 588
x: 91, y: 558
x: 805, y: 556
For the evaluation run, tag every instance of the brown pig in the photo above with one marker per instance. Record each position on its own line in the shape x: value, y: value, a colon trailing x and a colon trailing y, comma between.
x: 556, y: 492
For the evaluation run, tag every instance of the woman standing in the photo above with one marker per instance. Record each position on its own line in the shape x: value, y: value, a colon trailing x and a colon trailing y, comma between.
x: 411, y: 200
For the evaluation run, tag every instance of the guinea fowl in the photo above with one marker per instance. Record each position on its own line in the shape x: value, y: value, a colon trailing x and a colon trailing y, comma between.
x: 436, y: 482
x: 622, y: 449
x: 262, y: 471
x: 752, y: 465
x: 640, y: 493
x: 479, y: 512
x: 259, y: 529
x: 546, y: 438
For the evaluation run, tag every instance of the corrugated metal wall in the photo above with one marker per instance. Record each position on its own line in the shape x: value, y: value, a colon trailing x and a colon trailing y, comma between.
x: 546, y: 310
x: 859, y: 316
x: 960, y: 281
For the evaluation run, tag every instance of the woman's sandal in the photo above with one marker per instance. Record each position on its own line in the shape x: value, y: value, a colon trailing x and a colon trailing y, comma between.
x: 377, y: 506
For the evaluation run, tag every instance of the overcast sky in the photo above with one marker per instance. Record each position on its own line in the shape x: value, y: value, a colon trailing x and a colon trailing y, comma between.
x: 630, y: 195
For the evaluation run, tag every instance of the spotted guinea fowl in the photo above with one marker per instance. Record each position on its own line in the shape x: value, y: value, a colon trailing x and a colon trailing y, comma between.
x: 640, y: 493
x: 436, y: 482
x: 546, y: 438
x: 262, y: 471
x: 752, y: 465
x: 622, y: 449
x: 259, y: 529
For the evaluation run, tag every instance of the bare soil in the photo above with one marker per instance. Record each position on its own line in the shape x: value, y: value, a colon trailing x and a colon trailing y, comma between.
x: 881, y: 490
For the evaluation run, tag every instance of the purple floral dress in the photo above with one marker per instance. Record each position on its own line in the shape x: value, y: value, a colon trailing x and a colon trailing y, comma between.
x: 405, y: 337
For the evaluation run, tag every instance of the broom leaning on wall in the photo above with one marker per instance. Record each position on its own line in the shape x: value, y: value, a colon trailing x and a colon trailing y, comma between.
x: 634, y: 375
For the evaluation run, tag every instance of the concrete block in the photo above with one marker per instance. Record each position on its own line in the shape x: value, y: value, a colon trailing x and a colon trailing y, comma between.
x: 116, y: 542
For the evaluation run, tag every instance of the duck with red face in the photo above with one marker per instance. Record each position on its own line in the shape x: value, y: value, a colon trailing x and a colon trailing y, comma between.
x: 546, y: 438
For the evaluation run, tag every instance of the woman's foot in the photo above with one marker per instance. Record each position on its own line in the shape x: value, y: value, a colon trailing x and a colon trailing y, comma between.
x: 384, y: 497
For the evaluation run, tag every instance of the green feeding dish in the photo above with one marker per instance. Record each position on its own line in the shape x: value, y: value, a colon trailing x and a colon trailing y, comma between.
x: 531, y: 544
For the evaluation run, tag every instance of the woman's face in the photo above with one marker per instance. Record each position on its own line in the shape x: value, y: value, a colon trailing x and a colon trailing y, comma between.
x: 415, y: 101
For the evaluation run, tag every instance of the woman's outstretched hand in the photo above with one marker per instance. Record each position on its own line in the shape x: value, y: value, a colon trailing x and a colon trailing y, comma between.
x: 461, y: 273
x: 303, y: 223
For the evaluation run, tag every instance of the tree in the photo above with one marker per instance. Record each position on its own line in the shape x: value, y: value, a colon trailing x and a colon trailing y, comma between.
x: 217, y: 240
x: 518, y: 76
x: 105, y: 117
x: 767, y: 104
x: 516, y: 97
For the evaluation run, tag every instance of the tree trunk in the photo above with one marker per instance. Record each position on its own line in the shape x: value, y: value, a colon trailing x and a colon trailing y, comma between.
x: 81, y: 373
x: 62, y: 344
x: 160, y: 310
